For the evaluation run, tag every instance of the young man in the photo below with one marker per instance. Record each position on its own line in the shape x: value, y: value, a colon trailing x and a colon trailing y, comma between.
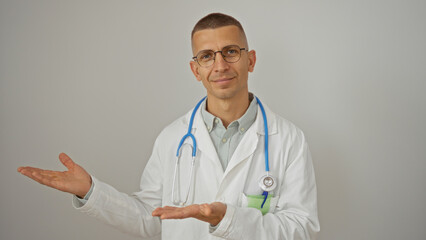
x: 231, y: 189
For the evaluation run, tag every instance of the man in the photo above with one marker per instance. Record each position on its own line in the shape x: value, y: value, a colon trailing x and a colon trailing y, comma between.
x: 222, y: 195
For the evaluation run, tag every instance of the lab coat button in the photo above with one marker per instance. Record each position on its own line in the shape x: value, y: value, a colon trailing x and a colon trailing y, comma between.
x: 224, y: 140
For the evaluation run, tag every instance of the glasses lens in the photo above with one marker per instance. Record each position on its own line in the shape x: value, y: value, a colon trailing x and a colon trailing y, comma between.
x: 231, y: 53
x: 205, y: 58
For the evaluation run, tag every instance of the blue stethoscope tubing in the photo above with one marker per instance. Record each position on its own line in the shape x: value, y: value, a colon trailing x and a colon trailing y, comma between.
x: 194, y: 150
x: 265, y: 123
x: 189, y: 134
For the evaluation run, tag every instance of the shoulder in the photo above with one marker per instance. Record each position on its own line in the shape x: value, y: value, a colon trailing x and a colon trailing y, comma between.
x: 286, y: 126
x: 286, y: 131
x: 282, y: 126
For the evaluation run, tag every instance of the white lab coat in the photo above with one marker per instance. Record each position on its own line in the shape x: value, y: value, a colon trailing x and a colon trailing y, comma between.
x: 293, y: 211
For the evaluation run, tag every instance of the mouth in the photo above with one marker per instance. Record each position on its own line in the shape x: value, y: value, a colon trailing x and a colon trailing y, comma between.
x: 222, y: 80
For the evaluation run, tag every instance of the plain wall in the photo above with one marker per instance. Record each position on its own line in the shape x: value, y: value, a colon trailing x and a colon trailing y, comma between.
x: 98, y: 80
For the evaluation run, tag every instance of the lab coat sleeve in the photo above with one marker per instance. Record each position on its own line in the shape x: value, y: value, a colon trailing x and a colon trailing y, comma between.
x: 129, y: 213
x: 295, y: 216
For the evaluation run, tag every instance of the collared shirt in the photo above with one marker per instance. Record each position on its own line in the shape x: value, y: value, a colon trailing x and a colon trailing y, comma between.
x: 226, y: 140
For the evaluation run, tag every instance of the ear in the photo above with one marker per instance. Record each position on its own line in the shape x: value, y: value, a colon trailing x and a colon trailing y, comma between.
x: 194, y: 68
x: 251, y: 60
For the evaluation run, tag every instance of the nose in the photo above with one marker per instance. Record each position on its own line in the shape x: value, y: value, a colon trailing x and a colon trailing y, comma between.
x: 220, y: 64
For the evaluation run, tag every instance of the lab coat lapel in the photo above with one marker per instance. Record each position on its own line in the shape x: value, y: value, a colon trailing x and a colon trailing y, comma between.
x: 250, y: 141
x: 245, y: 149
x: 204, y: 142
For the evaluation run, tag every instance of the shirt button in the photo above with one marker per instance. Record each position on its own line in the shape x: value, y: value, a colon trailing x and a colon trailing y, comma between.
x: 216, y: 120
x: 224, y: 140
x: 242, y: 129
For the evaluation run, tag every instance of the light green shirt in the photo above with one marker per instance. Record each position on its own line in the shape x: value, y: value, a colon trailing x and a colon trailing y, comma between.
x: 226, y: 140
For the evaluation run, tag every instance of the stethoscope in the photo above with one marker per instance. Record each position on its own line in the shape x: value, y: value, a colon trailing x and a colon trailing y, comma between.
x: 267, y: 182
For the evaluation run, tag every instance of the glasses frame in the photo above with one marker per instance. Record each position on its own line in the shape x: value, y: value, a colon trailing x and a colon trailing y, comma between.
x: 221, y: 53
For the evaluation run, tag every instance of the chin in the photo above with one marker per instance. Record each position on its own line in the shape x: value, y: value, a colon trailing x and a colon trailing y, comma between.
x: 224, y: 95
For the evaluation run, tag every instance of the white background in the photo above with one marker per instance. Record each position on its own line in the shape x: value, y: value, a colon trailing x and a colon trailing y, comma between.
x: 100, y: 79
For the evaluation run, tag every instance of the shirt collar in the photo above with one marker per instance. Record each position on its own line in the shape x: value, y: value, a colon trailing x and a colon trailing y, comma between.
x: 244, y: 122
x: 207, y: 117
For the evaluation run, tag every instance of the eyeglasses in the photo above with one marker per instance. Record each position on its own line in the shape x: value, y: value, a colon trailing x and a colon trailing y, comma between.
x: 230, y: 54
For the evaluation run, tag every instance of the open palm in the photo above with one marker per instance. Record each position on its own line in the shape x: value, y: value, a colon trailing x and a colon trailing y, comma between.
x: 75, y: 180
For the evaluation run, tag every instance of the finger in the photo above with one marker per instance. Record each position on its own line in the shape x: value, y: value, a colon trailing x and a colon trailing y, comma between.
x: 36, y: 175
x: 180, y: 213
x: 172, y: 214
x: 31, y: 170
x: 24, y: 170
x: 21, y: 168
x: 43, y: 179
x: 160, y: 210
x: 157, y: 212
x: 163, y: 213
x: 67, y: 161
x: 169, y: 208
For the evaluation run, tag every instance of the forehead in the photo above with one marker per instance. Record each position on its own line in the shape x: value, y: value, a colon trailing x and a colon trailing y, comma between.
x: 217, y: 38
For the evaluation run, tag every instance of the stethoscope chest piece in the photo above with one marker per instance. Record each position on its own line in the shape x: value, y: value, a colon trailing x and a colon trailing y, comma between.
x: 267, y: 183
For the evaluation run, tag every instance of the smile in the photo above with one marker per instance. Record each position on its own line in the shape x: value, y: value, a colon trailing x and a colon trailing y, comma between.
x: 222, y: 80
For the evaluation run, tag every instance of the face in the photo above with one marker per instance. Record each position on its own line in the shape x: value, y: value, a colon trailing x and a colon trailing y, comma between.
x: 223, y: 80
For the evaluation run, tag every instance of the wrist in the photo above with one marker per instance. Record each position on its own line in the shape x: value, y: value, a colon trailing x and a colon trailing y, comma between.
x: 221, y: 207
x: 87, y: 186
x: 215, y: 222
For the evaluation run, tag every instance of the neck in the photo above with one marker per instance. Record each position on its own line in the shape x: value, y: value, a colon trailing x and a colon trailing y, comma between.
x: 228, y: 110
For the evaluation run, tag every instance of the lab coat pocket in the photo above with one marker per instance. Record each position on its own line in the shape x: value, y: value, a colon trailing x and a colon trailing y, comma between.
x: 255, y: 201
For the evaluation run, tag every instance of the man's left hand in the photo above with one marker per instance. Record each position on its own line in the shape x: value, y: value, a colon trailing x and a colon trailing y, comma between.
x: 211, y: 213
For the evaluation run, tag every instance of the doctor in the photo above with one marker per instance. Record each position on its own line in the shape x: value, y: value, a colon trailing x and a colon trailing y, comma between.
x: 224, y: 192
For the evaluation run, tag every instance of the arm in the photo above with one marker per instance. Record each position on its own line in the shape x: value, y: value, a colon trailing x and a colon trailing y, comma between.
x: 130, y: 214
x: 296, y: 214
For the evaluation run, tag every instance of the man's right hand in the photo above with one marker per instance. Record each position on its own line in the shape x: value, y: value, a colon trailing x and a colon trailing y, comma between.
x: 75, y: 181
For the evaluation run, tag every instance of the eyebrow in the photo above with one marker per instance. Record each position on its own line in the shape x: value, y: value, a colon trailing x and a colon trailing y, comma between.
x: 218, y: 50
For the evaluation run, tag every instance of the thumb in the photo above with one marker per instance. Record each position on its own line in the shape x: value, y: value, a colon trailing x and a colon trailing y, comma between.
x: 67, y: 161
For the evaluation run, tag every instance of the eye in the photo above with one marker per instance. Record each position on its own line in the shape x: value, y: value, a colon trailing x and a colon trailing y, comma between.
x: 231, y: 51
x: 205, y: 56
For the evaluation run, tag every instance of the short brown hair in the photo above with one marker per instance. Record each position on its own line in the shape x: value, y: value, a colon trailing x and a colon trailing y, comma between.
x: 216, y: 20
